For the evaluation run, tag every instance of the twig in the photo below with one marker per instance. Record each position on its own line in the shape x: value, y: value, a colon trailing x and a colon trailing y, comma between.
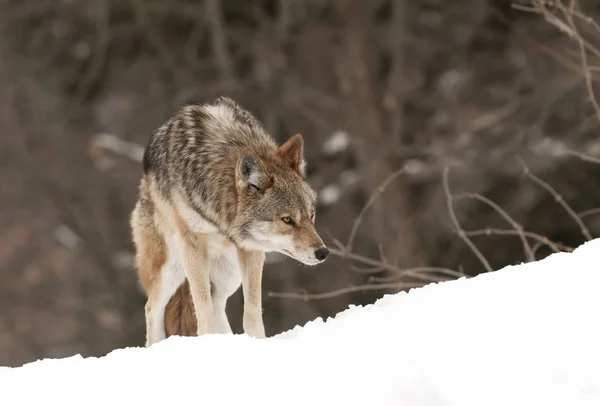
x: 461, y: 233
x: 378, y: 192
x: 589, y: 212
x: 372, y: 269
x: 416, y: 272
x: 554, y: 246
x: 582, y: 156
x: 343, y: 291
x: 584, y: 61
x: 518, y: 227
x: 584, y: 231
x: 397, y: 278
x: 569, y: 27
x: 562, y: 247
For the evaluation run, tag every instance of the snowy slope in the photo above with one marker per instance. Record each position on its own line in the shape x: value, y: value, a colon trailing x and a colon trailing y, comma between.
x: 525, y: 335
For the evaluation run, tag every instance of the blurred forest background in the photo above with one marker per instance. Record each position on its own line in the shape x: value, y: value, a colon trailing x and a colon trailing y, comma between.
x: 445, y: 138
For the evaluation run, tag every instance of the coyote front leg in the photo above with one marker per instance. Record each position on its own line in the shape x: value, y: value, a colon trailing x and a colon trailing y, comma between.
x: 196, y: 265
x: 251, y: 263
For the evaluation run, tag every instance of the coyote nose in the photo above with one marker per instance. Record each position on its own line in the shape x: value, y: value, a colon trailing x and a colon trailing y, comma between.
x: 322, y: 253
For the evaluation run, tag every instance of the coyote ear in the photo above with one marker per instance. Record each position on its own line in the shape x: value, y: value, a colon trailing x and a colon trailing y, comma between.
x: 250, y: 173
x: 292, y: 154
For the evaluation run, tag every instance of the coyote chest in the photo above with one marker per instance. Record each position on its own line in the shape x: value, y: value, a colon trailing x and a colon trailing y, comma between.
x: 219, y: 246
x: 221, y: 258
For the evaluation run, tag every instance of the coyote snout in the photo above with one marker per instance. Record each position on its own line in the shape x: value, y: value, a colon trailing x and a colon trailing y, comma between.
x: 308, y: 247
x: 296, y: 239
x: 316, y: 257
x: 322, y: 253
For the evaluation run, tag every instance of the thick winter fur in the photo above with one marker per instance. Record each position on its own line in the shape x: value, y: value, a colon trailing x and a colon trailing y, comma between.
x: 216, y: 194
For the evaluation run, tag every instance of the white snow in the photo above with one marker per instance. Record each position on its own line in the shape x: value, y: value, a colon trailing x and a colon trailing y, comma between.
x: 329, y: 195
x: 348, y: 177
x: 525, y: 335
x: 338, y: 142
x: 414, y: 166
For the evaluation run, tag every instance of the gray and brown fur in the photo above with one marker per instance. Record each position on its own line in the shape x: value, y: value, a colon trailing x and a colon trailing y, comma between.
x: 216, y: 194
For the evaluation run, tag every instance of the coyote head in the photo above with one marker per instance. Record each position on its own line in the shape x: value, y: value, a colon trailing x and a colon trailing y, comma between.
x: 276, y: 206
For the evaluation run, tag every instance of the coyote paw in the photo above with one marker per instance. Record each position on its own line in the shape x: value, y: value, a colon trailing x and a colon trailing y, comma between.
x: 257, y: 334
x: 206, y: 325
x: 254, y: 328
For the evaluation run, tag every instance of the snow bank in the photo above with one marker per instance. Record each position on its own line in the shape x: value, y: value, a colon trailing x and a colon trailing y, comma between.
x: 525, y: 335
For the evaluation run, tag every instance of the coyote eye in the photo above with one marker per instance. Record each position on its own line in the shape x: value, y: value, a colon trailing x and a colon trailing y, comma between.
x: 287, y: 220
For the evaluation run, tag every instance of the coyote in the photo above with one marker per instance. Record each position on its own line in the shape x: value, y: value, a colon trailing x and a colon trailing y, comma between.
x: 217, y: 192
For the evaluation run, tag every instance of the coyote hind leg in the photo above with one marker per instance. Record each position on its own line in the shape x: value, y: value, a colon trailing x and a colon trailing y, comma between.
x: 170, y: 277
x: 158, y: 268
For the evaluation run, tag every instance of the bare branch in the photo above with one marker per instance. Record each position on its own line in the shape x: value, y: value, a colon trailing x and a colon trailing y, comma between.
x: 582, y: 156
x: 559, y: 199
x: 461, y: 233
x: 343, y: 291
x: 554, y: 246
x: 589, y: 212
x: 518, y: 227
x: 412, y: 272
x: 584, y: 62
x: 565, y: 22
x: 378, y: 192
